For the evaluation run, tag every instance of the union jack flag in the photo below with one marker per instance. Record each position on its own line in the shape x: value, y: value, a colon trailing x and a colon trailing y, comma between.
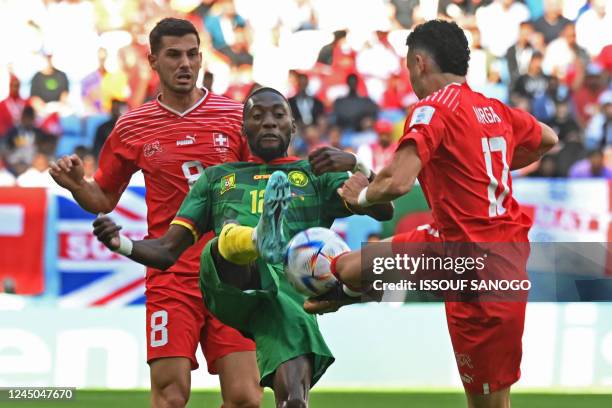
x: 90, y: 274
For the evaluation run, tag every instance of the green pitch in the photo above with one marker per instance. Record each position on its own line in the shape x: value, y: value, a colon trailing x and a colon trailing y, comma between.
x: 330, y: 399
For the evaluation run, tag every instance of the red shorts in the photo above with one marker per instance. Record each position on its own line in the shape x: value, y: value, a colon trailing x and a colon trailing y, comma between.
x: 177, y: 320
x: 486, y: 336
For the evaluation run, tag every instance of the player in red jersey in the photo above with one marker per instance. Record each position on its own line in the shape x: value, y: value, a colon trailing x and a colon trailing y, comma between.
x: 461, y: 145
x: 172, y: 139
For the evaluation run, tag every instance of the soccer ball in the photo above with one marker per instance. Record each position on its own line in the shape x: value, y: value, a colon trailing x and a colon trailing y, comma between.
x: 308, y: 260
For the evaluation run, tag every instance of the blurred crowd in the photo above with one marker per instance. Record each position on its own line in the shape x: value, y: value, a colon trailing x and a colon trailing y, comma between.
x: 70, y: 68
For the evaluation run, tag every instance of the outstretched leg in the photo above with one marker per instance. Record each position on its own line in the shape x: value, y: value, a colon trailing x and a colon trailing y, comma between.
x: 292, y: 382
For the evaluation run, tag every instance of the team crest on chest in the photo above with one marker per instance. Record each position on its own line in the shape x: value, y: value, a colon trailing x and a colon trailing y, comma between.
x: 297, y: 178
x: 220, y: 140
x: 152, y: 148
x: 228, y: 182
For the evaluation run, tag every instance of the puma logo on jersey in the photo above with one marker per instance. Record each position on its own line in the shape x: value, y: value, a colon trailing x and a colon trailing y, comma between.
x: 486, y: 115
x: 189, y: 140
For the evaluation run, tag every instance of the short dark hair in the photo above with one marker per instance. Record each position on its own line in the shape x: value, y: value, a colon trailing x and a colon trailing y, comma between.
x: 446, y: 43
x: 262, y: 90
x: 174, y: 27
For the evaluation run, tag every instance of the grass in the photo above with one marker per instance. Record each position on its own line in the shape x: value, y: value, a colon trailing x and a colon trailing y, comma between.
x: 330, y: 399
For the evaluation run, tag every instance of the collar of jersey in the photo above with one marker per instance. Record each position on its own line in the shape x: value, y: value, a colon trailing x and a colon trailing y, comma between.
x: 280, y: 160
x: 193, y: 107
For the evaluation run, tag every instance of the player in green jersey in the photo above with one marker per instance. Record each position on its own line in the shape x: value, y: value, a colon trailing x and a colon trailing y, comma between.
x: 254, y: 208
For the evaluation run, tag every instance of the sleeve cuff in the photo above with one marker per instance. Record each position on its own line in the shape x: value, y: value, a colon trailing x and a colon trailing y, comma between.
x: 186, y: 223
x: 419, y: 141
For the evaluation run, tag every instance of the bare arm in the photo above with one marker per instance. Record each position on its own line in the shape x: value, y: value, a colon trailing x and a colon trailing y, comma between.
x: 524, y: 157
x: 160, y: 253
x: 68, y: 173
x: 380, y: 212
x: 394, y: 180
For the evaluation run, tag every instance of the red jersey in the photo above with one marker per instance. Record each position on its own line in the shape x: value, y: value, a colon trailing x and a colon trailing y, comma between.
x: 466, y: 143
x: 172, y: 150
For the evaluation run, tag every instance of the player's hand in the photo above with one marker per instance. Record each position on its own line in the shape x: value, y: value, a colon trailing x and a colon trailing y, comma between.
x: 349, y: 192
x: 107, y: 232
x: 68, y: 172
x: 315, y: 306
x: 329, y: 159
x: 329, y: 302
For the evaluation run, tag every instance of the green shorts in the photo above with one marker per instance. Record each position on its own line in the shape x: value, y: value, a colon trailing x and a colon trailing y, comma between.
x: 272, y: 316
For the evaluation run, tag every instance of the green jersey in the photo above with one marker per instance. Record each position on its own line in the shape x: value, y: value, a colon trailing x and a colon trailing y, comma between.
x: 272, y: 315
x: 234, y: 191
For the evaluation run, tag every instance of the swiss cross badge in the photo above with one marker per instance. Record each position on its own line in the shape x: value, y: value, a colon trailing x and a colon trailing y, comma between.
x: 220, y: 140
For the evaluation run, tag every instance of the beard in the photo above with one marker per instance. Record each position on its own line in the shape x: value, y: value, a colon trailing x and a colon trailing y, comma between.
x: 270, y: 153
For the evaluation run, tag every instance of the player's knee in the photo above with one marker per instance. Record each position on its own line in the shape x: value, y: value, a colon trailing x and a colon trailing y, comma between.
x: 244, y: 398
x: 294, y: 403
x: 171, y: 396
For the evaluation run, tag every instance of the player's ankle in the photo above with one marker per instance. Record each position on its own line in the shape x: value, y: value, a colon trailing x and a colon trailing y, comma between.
x: 236, y: 245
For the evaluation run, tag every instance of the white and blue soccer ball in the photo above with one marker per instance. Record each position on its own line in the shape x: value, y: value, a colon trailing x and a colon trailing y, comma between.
x: 308, y: 260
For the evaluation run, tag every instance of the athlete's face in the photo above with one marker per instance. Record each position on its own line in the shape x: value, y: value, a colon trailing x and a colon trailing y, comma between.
x: 177, y: 62
x: 268, y: 125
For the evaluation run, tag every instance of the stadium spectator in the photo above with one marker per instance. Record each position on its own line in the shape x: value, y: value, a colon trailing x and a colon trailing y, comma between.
x: 494, y: 87
x: 38, y: 173
x: 480, y: 60
x: 91, y: 86
x: 592, y: 25
x: 544, y: 104
x: 142, y: 84
x: 241, y: 84
x: 379, y: 154
x: 326, y: 54
x: 100, y: 87
x: 398, y: 93
x: 586, y: 97
x: 49, y: 85
x: 552, y: 22
x: 306, y: 108
x: 592, y: 166
x: 311, y: 140
x: 598, y: 133
x: 25, y: 140
x: 604, y: 59
x: 546, y: 168
x: 118, y: 108
x: 228, y: 32
x: 351, y: 109
x: 376, y: 62
x: 404, y: 11
x: 301, y: 16
x: 563, y: 123
x: 460, y: 11
x: 519, y: 55
x: 534, y: 82
x: 499, y: 24
x: 334, y: 137
x: 11, y: 108
x: 564, y: 55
